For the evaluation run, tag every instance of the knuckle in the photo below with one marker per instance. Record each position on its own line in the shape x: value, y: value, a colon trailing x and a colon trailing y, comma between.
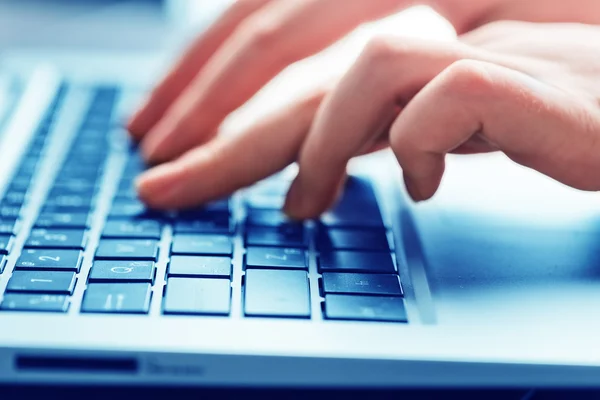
x: 468, y: 79
x: 382, y: 49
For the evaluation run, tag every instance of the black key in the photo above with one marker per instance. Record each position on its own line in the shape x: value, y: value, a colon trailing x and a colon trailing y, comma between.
x: 5, y: 243
x: 353, y: 239
x: 125, y: 298
x: 122, y: 271
x: 217, y: 206
x: 70, y: 202
x: 14, y: 198
x: 212, y: 267
x: 9, y: 212
x: 277, y: 293
x: 365, y: 308
x: 56, y: 238
x: 132, y: 228
x: 202, y: 244
x: 63, y: 220
x: 374, y: 284
x: 120, y: 249
x: 131, y: 209
x: 35, y: 302
x: 338, y: 218
x: 198, y: 296
x: 210, y: 223
x: 276, y: 257
x: 42, y: 282
x: 356, y: 261
x: 270, y: 218
x: 287, y: 236
x: 69, y: 260
x: 8, y: 226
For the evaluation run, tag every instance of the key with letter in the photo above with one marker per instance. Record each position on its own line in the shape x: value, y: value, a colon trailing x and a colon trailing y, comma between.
x: 135, y: 229
x: 202, y: 244
x: 207, y: 266
x: 69, y: 260
x: 121, y: 249
x: 276, y: 257
x: 373, y: 284
x: 122, y: 271
x: 127, y: 298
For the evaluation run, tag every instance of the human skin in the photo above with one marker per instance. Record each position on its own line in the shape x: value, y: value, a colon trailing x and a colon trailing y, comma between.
x: 528, y: 89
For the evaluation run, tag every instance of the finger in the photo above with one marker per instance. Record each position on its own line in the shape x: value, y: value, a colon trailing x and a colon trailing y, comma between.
x: 367, y: 100
x: 189, y: 65
x: 276, y: 36
x: 230, y: 163
x: 548, y: 129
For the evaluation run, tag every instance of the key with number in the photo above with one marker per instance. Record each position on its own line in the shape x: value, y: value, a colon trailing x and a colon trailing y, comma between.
x: 5, y: 243
x: 122, y: 271
x: 276, y: 257
x: 62, y: 220
x: 56, y: 238
x: 356, y: 261
x: 207, y: 266
x: 34, y: 302
x: 373, y: 284
x: 139, y: 229
x: 126, y: 298
x: 202, y: 244
x: 277, y: 293
x: 42, y: 282
x: 69, y: 260
x: 353, y: 239
x: 285, y: 236
x: 121, y: 249
x: 365, y: 308
x: 197, y: 296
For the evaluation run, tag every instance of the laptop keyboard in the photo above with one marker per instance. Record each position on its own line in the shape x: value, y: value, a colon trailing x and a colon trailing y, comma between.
x: 90, y: 246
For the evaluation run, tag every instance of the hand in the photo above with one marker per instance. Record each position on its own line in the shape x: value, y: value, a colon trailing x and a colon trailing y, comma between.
x: 529, y: 90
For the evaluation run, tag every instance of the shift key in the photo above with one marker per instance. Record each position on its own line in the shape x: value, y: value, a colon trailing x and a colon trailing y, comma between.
x: 277, y: 293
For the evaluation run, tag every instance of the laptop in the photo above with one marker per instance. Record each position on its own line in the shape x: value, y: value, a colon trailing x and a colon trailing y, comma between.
x: 495, y: 282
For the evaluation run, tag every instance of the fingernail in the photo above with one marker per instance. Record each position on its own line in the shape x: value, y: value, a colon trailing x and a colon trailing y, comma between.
x: 159, y: 185
x: 295, y: 200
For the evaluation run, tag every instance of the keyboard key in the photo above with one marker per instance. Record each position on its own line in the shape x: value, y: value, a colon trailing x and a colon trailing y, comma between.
x: 15, y: 197
x: 211, y: 223
x: 217, y: 206
x: 374, y: 284
x: 337, y: 218
x: 197, y: 296
x: 35, y: 302
x: 277, y: 293
x: 270, y: 218
x: 69, y: 260
x: 56, y: 238
x: 287, y: 236
x: 365, y: 308
x: 353, y: 239
x: 8, y: 226
x: 10, y: 212
x: 202, y: 244
x: 122, y: 271
x: 356, y: 261
x: 74, y: 185
x: 63, y: 220
x: 133, y: 228
x: 126, y: 298
x: 42, y: 282
x: 70, y: 202
x: 213, y: 267
x: 131, y: 209
x: 260, y: 202
x: 2, y: 262
x: 5, y: 243
x: 275, y: 257
x: 120, y: 249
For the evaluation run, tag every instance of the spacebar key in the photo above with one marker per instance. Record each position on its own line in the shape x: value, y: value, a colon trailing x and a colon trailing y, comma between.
x: 277, y: 293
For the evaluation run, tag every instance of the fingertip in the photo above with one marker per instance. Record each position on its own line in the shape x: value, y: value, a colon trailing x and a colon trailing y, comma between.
x: 158, y: 187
